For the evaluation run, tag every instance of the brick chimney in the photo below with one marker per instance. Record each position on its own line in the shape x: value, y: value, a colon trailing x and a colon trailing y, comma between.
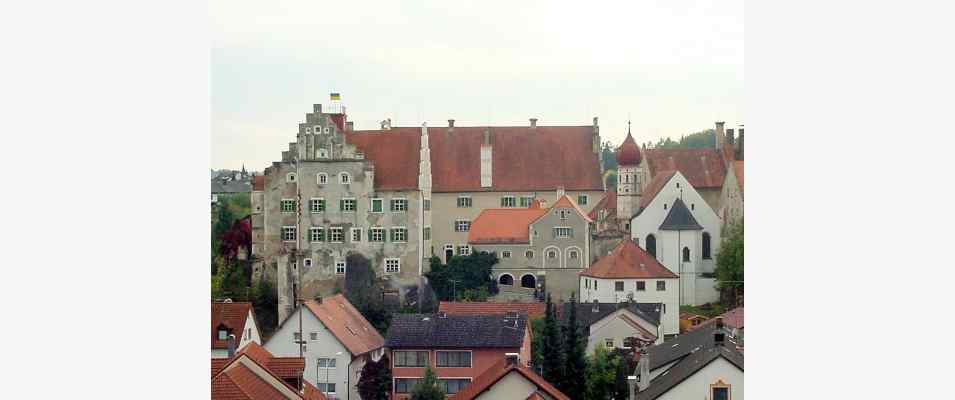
x: 719, y: 135
x: 450, y: 123
x: 739, y: 145
x: 231, y: 345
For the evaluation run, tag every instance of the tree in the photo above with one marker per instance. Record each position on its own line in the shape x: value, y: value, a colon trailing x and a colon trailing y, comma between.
x: 375, y: 380
x: 729, y: 265
x: 537, y: 342
x: 265, y: 303
x: 552, y: 351
x: 364, y: 291
x: 427, y: 388
x: 608, y: 156
x: 464, y: 277
x: 576, y: 364
x: 601, y: 374
x: 625, y: 366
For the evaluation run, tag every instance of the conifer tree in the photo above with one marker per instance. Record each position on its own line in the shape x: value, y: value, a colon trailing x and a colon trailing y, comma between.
x: 575, y: 365
x: 553, y: 354
x: 427, y: 388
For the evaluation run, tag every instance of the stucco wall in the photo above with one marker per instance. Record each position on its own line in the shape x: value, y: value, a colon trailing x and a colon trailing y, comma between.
x: 481, y: 360
x: 698, y: 385
x: 512, y: 386
x: 605, y: 292
x: 731, y: 199
x: 614, y: 327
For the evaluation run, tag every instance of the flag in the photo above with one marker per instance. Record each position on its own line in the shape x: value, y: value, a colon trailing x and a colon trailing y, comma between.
x: 336, y: 96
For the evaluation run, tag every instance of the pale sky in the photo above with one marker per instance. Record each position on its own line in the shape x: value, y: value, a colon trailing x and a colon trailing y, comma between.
x: 673, y: 67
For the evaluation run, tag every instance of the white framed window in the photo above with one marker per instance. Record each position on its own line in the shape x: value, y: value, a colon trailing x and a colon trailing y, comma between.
x: 288, y: 205
x: 290, y: 177
x: 336, y: 234
x: 564, y: 213
x: 526, y: 201
x: 399, y: 234
x: 326, y: 362
x: 322, y: 178
x: 316, y: 234
x: 376, y: 234
x: 582, y: 200
x: 326, y: 388
x: 399, y: 205
x: 508, y: 201
x: 318, y: 129
x: 344, y: 178
x: 347, y: 205
x: 462, y: 225
x: 308, y: 129
x: 464, y: 250
x: 608, y: 343
x: 551, y: 254
x: 426, y: 233
x: 297, y: 336
x: 340, y: 268
x: 464, y: 201
x: 426, y: 204
x: 506, y: 254
x: 562, y: 232
x: 392, y: 265
x: 327, y: 129
x: 356, y: 234
x: 377, y: 205
x: 316, y: 205
x: 313, y: 336
x: 288, y: 233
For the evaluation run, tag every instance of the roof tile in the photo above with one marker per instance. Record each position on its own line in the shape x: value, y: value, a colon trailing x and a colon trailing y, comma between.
x: 499, y: 370
x: 233, y: 315
x: 703, y: 168
x: 627, y: 260
x: 347, y: 324
x: 533, y: 310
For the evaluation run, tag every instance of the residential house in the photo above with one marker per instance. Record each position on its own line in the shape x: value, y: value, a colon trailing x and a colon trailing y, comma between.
x: 629, y: 273
x: 255, y: 374
x: 733, y: 320
x: 532, y: 309
x: 689, y: 321
x: 458, y: 348
x: 233, y: 318
x: 616, y: 325
x: 230, y: 183
x: 336, y: 342
x: 509, y: 379
x: 705, y: 363
x: 536, y: 247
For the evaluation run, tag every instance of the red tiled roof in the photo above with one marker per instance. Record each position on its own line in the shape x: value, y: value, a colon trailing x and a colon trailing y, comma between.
x: 523, y: 159
x: 312, y: 392
x: 732, y: 318
x: 628, y: 260
x: 284, y: 367
x: 653, y: 188
x: 258, y: 183
x: 629, y: 152
x: 608, y: 202
x: 565, y: 201
x: 499, y: 370
x: 233, y: 316
x: 241, y: 383
x: 703, y: 168
x: 233, y: 380
x: 347, y: 324
x: 503, y: 225
x: 481, y: 307
x: 738, y: 170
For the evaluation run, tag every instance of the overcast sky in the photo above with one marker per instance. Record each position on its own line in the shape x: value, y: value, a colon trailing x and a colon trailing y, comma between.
x: 673, y: 67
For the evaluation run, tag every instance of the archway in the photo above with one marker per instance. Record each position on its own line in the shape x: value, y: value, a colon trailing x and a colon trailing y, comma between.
x: 506, y: 279
x: 652, y: 245
x: 529, y: 281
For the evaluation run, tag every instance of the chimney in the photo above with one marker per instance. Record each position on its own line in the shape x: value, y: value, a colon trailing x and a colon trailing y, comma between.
x: 739, y: 145
x: 450, y: 123
x: 349, y: 126
x: 486, y: 159
x: 719, y: 335
x: 719, y: 135
x: 533, y: 123
x: 231, y: 345
x: 512, y: 358
x: 560, y: 192
x: 643, y: 368
x: 632, y: 387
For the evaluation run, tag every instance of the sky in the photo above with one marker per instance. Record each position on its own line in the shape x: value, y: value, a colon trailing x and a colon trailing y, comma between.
x: 671, y: 67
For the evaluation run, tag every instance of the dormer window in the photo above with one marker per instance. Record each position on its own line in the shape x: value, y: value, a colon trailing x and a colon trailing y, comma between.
x: 344, y: 178
x: 223, y: 332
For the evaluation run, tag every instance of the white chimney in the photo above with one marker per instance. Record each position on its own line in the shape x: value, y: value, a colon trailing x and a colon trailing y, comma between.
x: 486, y: 158
x: 643, y: 368
x: 533, y: 123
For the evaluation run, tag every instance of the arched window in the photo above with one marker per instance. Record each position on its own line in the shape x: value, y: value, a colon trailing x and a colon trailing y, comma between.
x: 551, y: 254
x: 529, y: 254
x: 573, y: 254
x: 506, y: 279
x: 344, y: 178
x: 652, y: 245
x: 322, y: 178
x: 686, y: 254
x: 529, y: 281
x: 706, y: 246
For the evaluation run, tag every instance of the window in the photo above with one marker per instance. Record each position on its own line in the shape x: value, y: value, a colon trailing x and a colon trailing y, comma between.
x: 652, y: 245
x: 551, y: 254
x: 327, y: 129
x: 561, y: 232
x: 582, y: 200
x: 392, y: 265
x: 529, y: 254
x: 316, y: 234
x: 563, y: 213
x: 464, y: 250
x: 692, y: 206
x: 426, y: 233
x: 664, y: 206
x: 641, y: 286
x: 347, y: 205
x: 453, y: 385
x: 288, y: 233
x: 573, y: 254
x: 223, y: 334
x: 508, y: 201
x: 426, y: 205
x: 307, y: 262
x: 506, y: 254
x: 459, y: 359
x: 399, y: 234
x: 288, y: 205
x: 399, y: 205
x: 326, y: 363
x: 290, y: 177
x: 322, y: 153
x: 336, y: 234
x: 313, y: 336
x: 526, y: 201
x: 327, y: 388
x: 376, y: 205
x: 720, y: 392
x: 706, y: 246
x: 661, y: 286
x: 376, y: 234
x: 410, y: 358
x: 316, y: 205
x: 404, y: 385
x: 322, y: 178
x: 686, y: 254
x: 587, y: 283
x: 308, y: 129
x: 344, y: 178
x: 608, y: 343
x: 464, y: 202
x: 355, y: 234
x: 462, y: 225
x: 297, y: 336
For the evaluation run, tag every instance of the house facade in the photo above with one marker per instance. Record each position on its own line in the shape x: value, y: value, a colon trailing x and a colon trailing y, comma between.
x: 233, y: 318
x: 338, y: 342
x: 509, y: 379
x: 614, y: 325
x: 536, y: 247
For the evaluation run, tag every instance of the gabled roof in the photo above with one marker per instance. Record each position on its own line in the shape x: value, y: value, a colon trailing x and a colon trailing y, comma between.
x: 566, y: 202
x: 395, y: 154
x: 501, y: 369
x: 608, y: 203
x: 680, y: 218
x: 255, y: 374
x: 686, y: 368
x: 503, y: 225
x: 347, y: 324
x: 532, y: 309
x: 684, y: 345
x: 653, y: 188
x: 627, y: 260
x: 233, y: 316
x: 649, y: 312
x: 703, y: 168
x: 456, y: 331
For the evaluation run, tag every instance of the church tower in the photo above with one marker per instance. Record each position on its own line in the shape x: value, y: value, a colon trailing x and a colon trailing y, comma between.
x: 629, y: 179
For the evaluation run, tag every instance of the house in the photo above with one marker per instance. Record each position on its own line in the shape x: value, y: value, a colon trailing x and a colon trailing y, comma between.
x: 509, y: 379
x: 704, y: 363
x: 458, y: 348
x: 336, y: 342
x: 614, y: 325
x: 233, y: 318
x: 537, y: 247
x: 733, y: 320
x: 255, y: 374
x: 230, y: 183
x: 532, y: 309
x: 689, y: 321
x: 629, y: 273
x: 399, y: 195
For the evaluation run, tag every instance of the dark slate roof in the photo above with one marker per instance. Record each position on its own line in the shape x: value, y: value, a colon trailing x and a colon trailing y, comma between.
x: 221, y: 186
x: 649, y: 312
x: 685, y: 344
x: 455, y: 331
x: 680, y: 219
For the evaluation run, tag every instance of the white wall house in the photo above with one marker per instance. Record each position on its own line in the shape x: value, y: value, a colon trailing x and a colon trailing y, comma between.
x: 630, y: 273
x: 677, y: 226
x: 235, y: 318
x: 610, y: 324
x: 338, y: 342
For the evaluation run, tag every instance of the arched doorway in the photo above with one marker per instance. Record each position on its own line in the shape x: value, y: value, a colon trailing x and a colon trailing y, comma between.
x: 448, y: 253
x: 506, y: 279
x: 652, y: 245
x: 529, y: 281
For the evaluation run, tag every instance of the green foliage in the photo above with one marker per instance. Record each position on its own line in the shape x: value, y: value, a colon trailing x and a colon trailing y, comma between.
x: 537, y: 340
x: 375, y: 380
x: 427, y: 388
x: 265, y: 302
x: 576, y: 364
x: 623, y: 368
x: 608, y: 156
x: 729, y: 263
x: 230, y: 280
x: 601, y: 374
x: 471, y: 276
x: 551, y: 350
x: 700, y: 140
x: 708, y: 310
x: 364, y: 290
